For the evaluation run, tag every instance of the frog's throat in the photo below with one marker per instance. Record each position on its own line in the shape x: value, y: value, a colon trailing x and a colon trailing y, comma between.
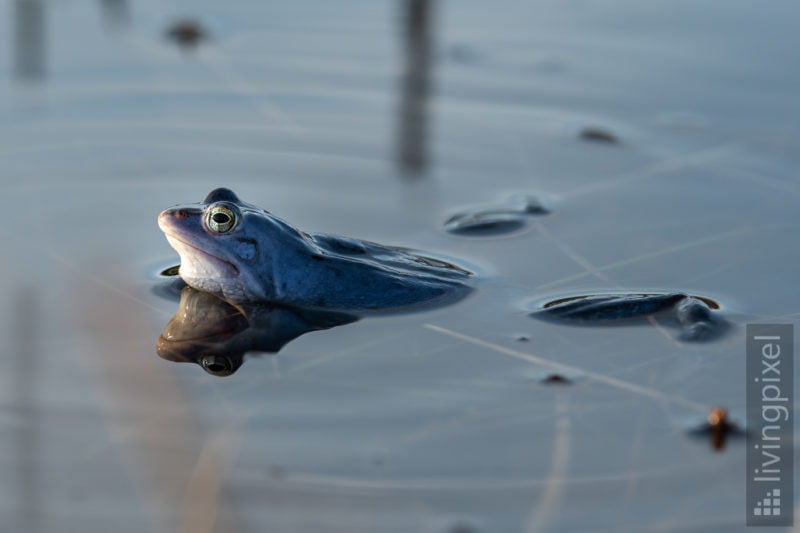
x: 179, y: 243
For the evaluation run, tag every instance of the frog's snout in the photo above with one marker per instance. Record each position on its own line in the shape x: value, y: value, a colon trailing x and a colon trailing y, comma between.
x: 178, y: 214
x: 168, y: 217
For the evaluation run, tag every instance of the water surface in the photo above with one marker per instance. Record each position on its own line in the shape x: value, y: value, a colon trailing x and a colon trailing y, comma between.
x: 422, y: 421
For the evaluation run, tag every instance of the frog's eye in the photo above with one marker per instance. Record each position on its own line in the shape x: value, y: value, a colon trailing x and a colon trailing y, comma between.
x: 218, y: 365
x: 221, y: 219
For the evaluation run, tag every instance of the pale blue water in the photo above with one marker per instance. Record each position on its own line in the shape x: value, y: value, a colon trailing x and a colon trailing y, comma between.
x: 415, y: 422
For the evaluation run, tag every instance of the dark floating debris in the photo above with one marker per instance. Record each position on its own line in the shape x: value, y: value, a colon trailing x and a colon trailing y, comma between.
x: 522, y: 338
x: 499, y: 219
x: 187, y: 33
x: 598, y: 135
x: 718, y: 428
x: 693, y: 315
x: 556, y: 379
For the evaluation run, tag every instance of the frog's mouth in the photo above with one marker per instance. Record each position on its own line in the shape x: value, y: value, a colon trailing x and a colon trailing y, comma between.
x: 182, y: 246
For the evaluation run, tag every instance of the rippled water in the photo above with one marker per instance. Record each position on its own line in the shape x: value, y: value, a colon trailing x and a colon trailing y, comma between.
x: 439, y: 421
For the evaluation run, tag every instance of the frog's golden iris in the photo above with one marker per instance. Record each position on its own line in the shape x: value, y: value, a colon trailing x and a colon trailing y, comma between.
x: 221, y: 218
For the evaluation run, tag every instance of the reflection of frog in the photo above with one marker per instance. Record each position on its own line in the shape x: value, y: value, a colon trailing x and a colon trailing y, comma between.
x: 216, y: 336
x: 244, y: 255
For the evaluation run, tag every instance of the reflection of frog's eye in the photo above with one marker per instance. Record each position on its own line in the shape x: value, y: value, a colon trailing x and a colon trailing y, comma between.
x: 221, y: 219
x: 218, y: 365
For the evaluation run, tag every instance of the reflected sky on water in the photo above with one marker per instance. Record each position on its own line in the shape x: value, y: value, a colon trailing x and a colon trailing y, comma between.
x: 369, y: 120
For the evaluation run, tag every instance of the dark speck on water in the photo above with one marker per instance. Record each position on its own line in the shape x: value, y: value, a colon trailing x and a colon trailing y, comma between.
x: 598, y: 135
x: 556, y: 379
x: 187, y: 33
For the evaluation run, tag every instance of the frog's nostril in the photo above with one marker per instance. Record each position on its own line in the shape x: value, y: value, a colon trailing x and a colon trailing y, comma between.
x: 180, y: 214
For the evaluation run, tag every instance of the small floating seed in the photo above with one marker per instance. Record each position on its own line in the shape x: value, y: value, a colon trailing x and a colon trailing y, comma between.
x: 719, y: 427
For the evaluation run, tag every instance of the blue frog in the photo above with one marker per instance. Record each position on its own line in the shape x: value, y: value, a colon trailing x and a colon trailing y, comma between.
x: 246, y: 256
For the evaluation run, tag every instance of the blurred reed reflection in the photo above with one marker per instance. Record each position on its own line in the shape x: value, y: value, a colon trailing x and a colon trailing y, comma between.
x: 27, y: 437
x: 29, y: 40
x: 412, y: 156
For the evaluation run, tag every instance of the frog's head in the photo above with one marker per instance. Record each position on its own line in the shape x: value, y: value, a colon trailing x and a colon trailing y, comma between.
x: 223, y: 245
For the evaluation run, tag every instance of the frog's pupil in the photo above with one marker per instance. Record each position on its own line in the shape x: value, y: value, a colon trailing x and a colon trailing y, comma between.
x: 220, y: 218
x: 216, y: 367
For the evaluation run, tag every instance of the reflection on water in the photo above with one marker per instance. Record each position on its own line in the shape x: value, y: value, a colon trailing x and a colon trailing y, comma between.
x: 412, y: 157
x: 462, y: 415
x: 29, y: 40
x: 209, y: 332
x: 26, y: 393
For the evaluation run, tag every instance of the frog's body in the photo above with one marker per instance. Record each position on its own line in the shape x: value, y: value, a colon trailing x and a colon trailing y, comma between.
x: 690, y: 313
x: 245, y: 255
x: 612, y: 306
